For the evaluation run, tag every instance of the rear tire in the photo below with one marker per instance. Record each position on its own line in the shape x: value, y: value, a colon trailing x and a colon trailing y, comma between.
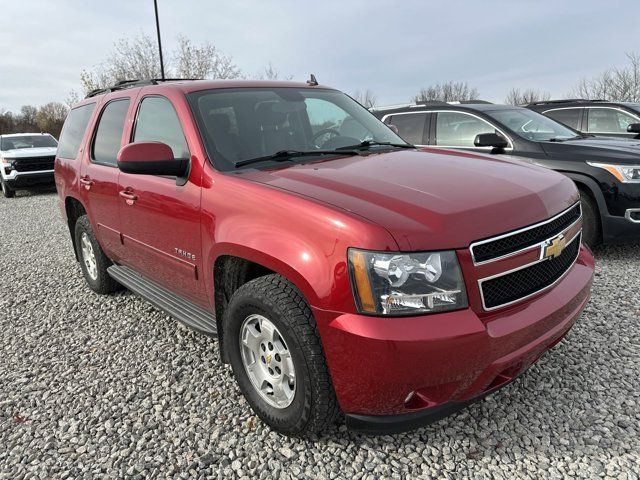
x: 312, y: 407
x: 93, y: 261
x: 7, y: 191
x: 591, y: 226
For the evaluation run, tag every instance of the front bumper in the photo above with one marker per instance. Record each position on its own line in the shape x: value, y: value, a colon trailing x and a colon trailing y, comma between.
x: 621, y: 230
x: 17, y: 180
x: 393, y: 374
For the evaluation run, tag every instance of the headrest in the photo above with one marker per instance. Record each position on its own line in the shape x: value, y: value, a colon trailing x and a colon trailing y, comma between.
x: 268, y: 117
x: 219, y: 122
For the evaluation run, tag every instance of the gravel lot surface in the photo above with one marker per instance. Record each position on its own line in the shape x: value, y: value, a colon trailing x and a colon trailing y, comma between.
x: 109, y: 387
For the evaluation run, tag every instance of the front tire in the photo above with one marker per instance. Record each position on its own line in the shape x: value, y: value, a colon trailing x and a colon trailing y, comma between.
x: 93, y: 261
x: 275, y: 352
x: 591, y: 230
x: 7, y: 191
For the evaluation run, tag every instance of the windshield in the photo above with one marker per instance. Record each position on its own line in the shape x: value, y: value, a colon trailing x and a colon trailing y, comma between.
x: 532, y: 125
x: 16, y: 142
x: 248, y: 123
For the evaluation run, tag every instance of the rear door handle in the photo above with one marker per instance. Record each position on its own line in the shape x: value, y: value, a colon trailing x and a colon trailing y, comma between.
x: 86, y: 182
x: 129, y: 196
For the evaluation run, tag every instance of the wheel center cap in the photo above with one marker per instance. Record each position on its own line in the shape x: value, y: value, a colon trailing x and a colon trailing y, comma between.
x: 268, y: 359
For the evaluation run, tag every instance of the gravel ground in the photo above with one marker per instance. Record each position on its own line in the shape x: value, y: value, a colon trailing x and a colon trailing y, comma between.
x: 109, y: 387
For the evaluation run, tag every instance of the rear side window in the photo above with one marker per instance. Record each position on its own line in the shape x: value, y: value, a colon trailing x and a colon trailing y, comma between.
x: 569, y: 116
x: 73, y: 130
x: 608, y: 120
x: 158, y: 122
x: 410, y: 126
x: 108, y: 139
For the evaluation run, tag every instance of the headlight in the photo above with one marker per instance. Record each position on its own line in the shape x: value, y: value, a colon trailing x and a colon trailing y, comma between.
x: 624, y: 173
x: 387, y: 283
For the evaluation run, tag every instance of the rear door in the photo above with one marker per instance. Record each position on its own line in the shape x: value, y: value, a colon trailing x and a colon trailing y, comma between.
x: 161, y: 215
x: 99, y: 172
x: 413, y: 127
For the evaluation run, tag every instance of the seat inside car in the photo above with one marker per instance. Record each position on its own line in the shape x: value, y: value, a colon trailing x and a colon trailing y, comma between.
x: 226, y: 142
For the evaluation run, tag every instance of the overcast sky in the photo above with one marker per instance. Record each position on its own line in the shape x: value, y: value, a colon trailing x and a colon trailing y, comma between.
x: 392, y: 47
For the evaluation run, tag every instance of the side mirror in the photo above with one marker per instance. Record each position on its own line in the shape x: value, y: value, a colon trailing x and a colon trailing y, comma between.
x: 393, y: 128
x: 151, y: 158
x: 633, y: 128
x: 490, y: 140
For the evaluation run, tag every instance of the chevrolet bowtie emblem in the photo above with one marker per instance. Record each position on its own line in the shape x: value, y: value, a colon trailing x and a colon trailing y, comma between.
x: 554, y: 248
x: 268, y: 359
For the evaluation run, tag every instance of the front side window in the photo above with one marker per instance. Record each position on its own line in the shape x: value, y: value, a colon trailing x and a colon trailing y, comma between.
x: 73, y: 130
x: 455, y: 129
x: 19, y: 142
x: 567, y: 116
x: 158, y: 121
x: 410, y: 126
x: 609, y: 120
x: 247, y: 123
x: 532, y: 125
x: 108, y: 138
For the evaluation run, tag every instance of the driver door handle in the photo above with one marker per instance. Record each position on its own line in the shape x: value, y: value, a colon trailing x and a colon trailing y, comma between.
x: 129, y: 196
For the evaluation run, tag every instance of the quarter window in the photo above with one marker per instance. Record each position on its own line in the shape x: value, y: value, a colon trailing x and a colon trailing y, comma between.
x: 608, y: 120
x: 108, y: 139
x: 410, y: 126
x: 158, y: 122
x: 73, y: 131
x: 455, y: 129
x: 568, y: 116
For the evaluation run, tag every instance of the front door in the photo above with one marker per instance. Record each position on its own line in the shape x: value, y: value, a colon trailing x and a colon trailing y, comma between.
x: 160, y: 216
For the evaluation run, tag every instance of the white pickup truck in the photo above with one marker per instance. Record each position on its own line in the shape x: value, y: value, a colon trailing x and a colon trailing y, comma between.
x: 26, y: 161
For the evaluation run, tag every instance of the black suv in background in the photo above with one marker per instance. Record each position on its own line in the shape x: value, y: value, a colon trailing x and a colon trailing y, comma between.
x: 595, y: 117
x: 607, y: 171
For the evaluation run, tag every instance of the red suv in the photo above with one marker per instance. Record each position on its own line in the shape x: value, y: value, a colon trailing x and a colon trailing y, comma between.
x: 341, y: 269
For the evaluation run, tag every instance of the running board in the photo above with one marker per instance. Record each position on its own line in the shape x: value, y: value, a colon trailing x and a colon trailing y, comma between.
x: 183, y: 310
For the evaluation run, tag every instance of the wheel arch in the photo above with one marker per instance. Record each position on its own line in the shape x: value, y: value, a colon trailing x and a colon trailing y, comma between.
x: 235, y: 265
x: 74, y: 209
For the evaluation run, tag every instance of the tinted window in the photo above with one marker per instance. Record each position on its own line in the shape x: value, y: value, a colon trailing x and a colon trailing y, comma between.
x: 531, y: 125
x: 158, y: 122
x: 109, y: 134
x: 73, y: 130
x: 608, y: 120
x: 410, y: 126
x: 568, y: 116
x: 246, y: 123
x: 454, y: 129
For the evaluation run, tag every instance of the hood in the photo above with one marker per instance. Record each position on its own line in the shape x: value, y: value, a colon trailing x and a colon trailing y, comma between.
x: 29, y: 152
x: 623, y: 150
x: 430, y: 200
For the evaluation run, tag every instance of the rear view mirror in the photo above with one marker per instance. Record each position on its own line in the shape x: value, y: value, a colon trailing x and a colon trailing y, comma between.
x: 490, y: 140
x: 151, y: 158
x: 633, y: 128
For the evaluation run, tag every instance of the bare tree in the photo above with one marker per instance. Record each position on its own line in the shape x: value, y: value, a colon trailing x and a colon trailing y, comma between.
x: 7, y: 121
x: 271, y: 73
x: 137, y: 58
x: 617, y: 84
x: 524, y: 97
x: 366, y: 98
x: 202, y: 61
x: 447, y: 92
x: 50, y: 118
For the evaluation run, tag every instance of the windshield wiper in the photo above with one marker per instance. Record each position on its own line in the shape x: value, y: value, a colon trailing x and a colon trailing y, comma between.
x: 370, y: 143
x: 564, y: 139
x: 287, y: 155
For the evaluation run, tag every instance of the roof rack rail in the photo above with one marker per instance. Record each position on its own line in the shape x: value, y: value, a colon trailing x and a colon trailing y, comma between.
x: 122, y: 84
x: 567, y: 100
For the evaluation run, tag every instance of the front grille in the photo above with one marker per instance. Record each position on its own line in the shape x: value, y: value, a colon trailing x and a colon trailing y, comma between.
x: 491, y: 249
x: 34, y: 164
x: 525, y: 282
